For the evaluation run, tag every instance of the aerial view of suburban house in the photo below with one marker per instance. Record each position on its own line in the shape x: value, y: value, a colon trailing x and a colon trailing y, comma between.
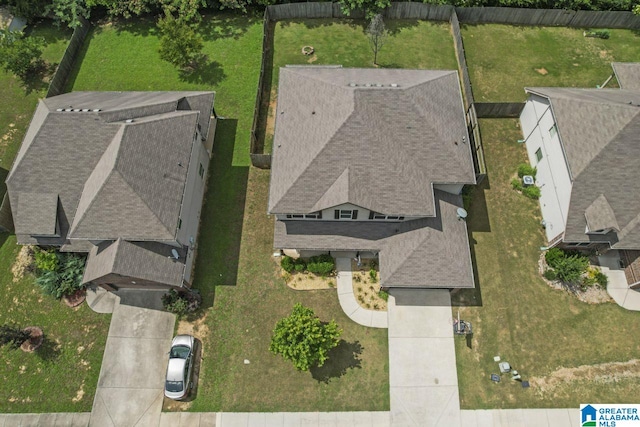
x: 585, y: 145
x: 373, y: 161
x: 120, y: 176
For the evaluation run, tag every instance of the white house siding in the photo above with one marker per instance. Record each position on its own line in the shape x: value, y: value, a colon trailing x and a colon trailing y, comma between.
x: 329, y: 214
x: 192, y: 201
x: 449, y: 188
x: 553, y: 175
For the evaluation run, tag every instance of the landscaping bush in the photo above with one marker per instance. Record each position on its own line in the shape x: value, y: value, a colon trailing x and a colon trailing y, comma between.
x: 568, y: 267
x: 531, y: 192
x: 180, y: 304
x: 552, y: 256
x: 300, y: 267
x: 384, y: 295
x: 550, y: 274
x: 13, y: 336
x: 321, y: 265
x: 525, y: 169
x: 66, y: 279
x: 288, y: 264
x: 373, y: 275
x: 46, y: 260
x: 516, y: 184
x: 596, y: 277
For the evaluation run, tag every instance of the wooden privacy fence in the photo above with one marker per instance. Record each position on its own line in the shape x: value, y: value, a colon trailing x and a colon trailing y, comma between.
x: 258, y: 158
x: 498, y: 110
x: 6, y: 220
x: 59, y: 80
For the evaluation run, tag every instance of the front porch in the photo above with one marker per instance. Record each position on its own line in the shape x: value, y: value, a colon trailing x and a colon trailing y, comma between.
x: 620, y: 268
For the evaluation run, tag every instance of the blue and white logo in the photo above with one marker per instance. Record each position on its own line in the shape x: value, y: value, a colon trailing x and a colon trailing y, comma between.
x: 618, y: 415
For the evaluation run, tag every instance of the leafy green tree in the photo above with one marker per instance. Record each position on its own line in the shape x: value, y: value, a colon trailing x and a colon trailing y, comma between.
x: 370, y: 7
x: 13, y: 336
x: 29, y: 9
x: 180, y: 44
x: 303, y: 339
x: 70, y: 12
x: 377, y: 34
x: 20, y: 54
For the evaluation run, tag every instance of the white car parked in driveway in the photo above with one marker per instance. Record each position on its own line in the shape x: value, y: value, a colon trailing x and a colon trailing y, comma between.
x: 178, y: 381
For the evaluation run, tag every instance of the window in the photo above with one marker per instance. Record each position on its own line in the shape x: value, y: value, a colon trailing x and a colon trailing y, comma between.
x: 553, y: 131
x: 539, y: 154
x: 345, y: 214
x: 295, y: 216
x: 315, y: 215
x: 201, y: 171
x: 179, y: 223
x: 375, y: 215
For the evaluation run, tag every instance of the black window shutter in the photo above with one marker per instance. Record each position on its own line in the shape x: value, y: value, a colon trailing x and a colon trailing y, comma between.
x: 371, y: 214
x: 336, y: 214
x: 355, y: 214
x: 319, y: 214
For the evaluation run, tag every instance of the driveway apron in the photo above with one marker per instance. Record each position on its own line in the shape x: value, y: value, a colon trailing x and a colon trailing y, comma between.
x: 131, y: 383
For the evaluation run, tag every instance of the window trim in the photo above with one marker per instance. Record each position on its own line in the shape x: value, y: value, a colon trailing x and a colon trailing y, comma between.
x: 539, y: 155
x: 201, y: 171
x: 553, y: 130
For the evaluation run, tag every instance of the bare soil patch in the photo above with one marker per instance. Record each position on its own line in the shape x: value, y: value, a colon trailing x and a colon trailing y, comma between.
x: 542, y: 71
x: 591, y: 295
x: 23, y: 263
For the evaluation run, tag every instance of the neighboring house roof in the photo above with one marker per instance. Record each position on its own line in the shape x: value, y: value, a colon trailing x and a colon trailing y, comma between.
x: 427, y: 253
x: 117, y: 161
x: 627, y: 74
x: 600, y: 133
x: 145, y: 261
x: 375, y: 138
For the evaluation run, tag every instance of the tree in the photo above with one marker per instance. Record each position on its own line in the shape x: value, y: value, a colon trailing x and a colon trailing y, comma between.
x: 303, y: 339
x: 370, y: 7
x: 377, y: 34
x: 70, y: 12
x: 13, y: 336
x: 19, y: 54
x: 180, y: 44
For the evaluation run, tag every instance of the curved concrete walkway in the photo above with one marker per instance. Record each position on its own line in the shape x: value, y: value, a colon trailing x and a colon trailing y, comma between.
x: 360, y: 315
x: 617, y: 286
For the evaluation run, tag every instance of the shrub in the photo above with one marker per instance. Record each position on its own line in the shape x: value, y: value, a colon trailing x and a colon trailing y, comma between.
x: 180, y: 303
x: 13, y: 336
x: 288, y: 264
x: 553, y: 255
x: 596, y: 277
x: 531, y: 192
x: 384, y: 295
x: 516, y: 184
x: 601, y: 34
x: 20, y: 54
x: 299, y: 267
x: 550, y: 274
x: 46, y: 260
x: 373, y: 275
x: 571, y: 268
x: 66, y: 279
x: 321, y: 264
x: 525, y: 169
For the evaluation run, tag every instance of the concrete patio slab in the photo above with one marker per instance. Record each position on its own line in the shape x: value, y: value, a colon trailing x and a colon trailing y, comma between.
x: 100, y: 300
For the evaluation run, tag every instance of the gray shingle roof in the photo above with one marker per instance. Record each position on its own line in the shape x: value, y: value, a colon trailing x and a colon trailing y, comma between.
x: 137, y: 260
x: 600, y: 216
x: 37, y: 212
x: 627, y: 74
x: 600, y: 132
x: 335, y: 142
x: 429, y: 252
x: 123, y: 179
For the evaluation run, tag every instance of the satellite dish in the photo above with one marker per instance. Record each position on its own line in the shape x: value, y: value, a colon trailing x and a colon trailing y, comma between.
x: 175, y: 253
x: 462, y: 214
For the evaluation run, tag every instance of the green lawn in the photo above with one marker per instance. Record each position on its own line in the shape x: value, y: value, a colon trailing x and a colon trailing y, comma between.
x: 62, y: 375
x: 503, y: 59
x: 411, y: 44
x: 17, y: 103
x: 516, y: 315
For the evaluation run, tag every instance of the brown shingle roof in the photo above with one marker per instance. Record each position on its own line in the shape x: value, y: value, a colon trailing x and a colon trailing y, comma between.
x: 335, y: 142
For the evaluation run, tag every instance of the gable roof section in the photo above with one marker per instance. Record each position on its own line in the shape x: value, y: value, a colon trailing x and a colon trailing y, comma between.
x: 600, y: 132
x: 148, y: 261
x: 124, y: 179
x: 627, y: 74
x: 378, y: 147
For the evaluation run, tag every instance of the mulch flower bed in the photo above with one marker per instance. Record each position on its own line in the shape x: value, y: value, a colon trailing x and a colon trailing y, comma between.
x: 76, y: 298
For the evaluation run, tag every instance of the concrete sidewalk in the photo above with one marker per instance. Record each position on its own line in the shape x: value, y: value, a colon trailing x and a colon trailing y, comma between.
x: 131, y: 383
x: 422, y: 360
x: 360, y: 315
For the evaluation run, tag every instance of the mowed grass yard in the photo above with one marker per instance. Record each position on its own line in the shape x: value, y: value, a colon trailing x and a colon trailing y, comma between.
x: 411, y: 44
x: 567, y: 349
x: 503, y: 59
x: 62, y: 375
x: 243, y: 296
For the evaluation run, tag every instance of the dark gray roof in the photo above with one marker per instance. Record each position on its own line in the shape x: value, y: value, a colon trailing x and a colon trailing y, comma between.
x: 378, y: 147
x: 148, y: 261
x: 600, y: 133
x: 124, y: 179
x: 426, y: 253
x: 627, y: 74
x: 37, y: 212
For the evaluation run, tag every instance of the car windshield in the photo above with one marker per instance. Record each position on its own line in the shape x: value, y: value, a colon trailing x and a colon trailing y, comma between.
x: 179, y: 351
x: 174, y: 386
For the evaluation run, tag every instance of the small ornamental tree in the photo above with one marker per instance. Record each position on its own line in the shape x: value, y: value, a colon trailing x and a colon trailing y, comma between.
x: 370, y: 7
x: 180, y: 44
x: 20, y: 54
x: 377, y: 33
x: 13, y: 336
x: 303, y: 339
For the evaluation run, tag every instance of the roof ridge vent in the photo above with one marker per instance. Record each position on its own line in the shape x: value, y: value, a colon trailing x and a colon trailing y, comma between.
x: 394, y: 85
x: 129, y: 121
x: 59, y: 109
x: 353, y: 84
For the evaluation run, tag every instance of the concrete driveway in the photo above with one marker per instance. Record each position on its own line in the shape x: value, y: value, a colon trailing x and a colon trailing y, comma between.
x: 131, y: 384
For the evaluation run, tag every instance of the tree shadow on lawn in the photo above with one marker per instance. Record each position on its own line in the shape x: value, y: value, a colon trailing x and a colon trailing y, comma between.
x: 222, y: 217
x: 40, y: 77
x: 214, y: 26
x: 341, y: 358
x: 208, y: 73
x: 49, y: 351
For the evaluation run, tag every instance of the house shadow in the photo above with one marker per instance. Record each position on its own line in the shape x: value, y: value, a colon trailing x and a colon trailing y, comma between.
x: 222, y: 216
x: 341, y: 358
